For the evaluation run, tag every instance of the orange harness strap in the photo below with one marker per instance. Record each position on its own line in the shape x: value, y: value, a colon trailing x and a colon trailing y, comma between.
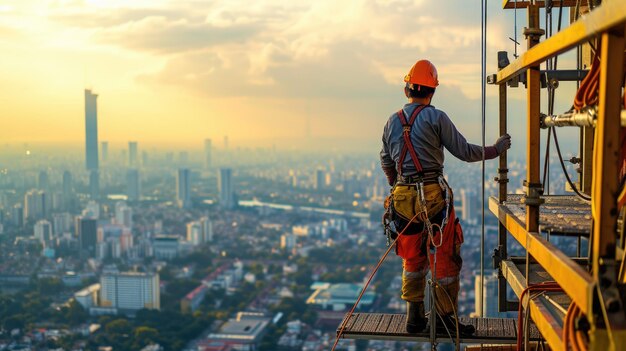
x: 406, y: 134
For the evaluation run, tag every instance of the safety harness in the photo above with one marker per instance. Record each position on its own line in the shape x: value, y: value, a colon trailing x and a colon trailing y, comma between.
x: 407, y: 127
x: 408, y: 145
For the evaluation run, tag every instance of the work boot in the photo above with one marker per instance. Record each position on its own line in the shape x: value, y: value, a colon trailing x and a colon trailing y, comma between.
x: 450, y: 322
x: 415, y: 319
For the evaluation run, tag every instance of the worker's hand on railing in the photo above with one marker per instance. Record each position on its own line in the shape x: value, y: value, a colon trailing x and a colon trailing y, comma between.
x: 503, y: 143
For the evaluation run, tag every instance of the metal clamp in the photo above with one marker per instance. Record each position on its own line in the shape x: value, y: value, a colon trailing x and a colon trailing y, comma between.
x: 534, y: 191
x: 502, y: 177
x: 534, y: 33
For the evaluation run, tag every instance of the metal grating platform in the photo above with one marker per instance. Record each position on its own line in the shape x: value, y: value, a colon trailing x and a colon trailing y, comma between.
x: 382, y: 326
x: 560, y: 214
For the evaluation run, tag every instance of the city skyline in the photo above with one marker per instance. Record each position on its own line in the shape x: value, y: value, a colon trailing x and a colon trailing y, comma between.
x: 140, y: 62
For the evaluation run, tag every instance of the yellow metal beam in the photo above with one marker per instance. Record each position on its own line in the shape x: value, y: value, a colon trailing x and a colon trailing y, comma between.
x: 575, y: 281
x: 549, y: 326
x: 608, y: 15
x: 511, y: 4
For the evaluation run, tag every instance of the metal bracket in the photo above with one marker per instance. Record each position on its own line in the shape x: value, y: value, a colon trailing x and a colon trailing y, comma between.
x: 502, y: 177
x: 497, y: 258
x: 533, y: 33
x: 534, y: 191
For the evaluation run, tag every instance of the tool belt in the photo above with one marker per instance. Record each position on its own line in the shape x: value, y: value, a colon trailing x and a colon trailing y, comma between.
x: 405, y: 201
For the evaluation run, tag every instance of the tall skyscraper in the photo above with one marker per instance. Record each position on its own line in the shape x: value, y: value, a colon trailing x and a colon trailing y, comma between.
x: 17, y: 216
x: 91, y: 130
x: 130, y: 291
x: 35, y: 204
x: 194, y: 233
x: 320, y: 179
x: 489, y: 303
x: 61, y: 223
x: 207, y: 153
x: 87, y: 231
x: 207, y: 229
x: 91, y: 142
x: 105, y: 151
x: 94, y: 184
x: 225, y: 142
x: 43, y: 182
x: 470, y: 205
x: 133, y: 185
x: 133, y: 155
x: 225, y: 185
x: 183, y: 188
x: 123, y: 214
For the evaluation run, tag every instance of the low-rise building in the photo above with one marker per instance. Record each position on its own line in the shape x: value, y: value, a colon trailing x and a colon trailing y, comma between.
x: 244, y: 332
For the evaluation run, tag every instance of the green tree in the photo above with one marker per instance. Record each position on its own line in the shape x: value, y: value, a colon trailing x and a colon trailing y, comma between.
x: 118, y: 326
x: 75, y: 313
x: 145, y: 335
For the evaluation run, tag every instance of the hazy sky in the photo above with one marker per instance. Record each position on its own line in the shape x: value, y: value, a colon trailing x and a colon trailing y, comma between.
x: 176, y: 72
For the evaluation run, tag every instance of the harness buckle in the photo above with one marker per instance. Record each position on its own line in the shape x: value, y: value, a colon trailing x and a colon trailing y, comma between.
x: 406, y: 128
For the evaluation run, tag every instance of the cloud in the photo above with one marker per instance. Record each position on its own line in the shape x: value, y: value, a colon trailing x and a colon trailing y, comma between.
x: 160, y: 35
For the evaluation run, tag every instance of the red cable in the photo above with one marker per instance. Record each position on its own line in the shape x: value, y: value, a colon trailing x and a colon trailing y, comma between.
x: 544, y: 286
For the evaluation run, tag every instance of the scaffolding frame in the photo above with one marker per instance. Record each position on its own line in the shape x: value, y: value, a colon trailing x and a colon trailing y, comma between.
x: 594, y: 290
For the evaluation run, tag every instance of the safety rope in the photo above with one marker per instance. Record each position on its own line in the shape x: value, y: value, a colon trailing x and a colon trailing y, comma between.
x: 429, y: 229
x: 483, y: 87
x: 369, y: 280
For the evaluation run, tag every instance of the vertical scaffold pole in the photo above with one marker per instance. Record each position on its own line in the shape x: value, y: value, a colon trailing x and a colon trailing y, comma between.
x: 605, y: 189
x: 502, y: 186
x: 533, y: 100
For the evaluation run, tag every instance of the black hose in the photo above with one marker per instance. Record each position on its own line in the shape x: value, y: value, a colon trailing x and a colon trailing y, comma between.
x: 569, y: 181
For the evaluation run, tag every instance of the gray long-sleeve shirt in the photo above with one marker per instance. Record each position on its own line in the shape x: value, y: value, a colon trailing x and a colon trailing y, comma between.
x: 432, y: 131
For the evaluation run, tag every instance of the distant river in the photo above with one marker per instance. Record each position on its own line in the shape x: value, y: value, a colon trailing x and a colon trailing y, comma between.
x: 256, y: 203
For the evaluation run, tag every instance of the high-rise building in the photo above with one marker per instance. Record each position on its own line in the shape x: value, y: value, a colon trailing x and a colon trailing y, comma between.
x: 133, y: 185
x: 91, y: 130
x: 17, y: 216
x: 43, y: 181
x: 133, y: 155
x: 35, y: 204
x: 43, y: 232
x: 94, y: 184
x: 61, y: 223
x: 225, y: 185
x: 320, y: 179
x: 489, y: 303
x: 87, y: 232
x: 104, y: 146
x: 225, y: 142
x: 123, y: 214
x: 207, y: 153
x: 288, y: 241
x: 469, y: 205
x: 207, y: 229
x: 130, y: 291
x: 194, y: 233
x: 183, y: 188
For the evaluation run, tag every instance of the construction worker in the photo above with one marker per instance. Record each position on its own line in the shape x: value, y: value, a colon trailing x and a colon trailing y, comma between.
x: 412, y: 158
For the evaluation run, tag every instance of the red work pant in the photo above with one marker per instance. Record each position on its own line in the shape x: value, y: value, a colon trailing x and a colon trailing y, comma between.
x: 417, y: 260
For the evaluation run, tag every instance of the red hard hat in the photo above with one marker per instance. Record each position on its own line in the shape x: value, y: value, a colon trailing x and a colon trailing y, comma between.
x: 423, y: 73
